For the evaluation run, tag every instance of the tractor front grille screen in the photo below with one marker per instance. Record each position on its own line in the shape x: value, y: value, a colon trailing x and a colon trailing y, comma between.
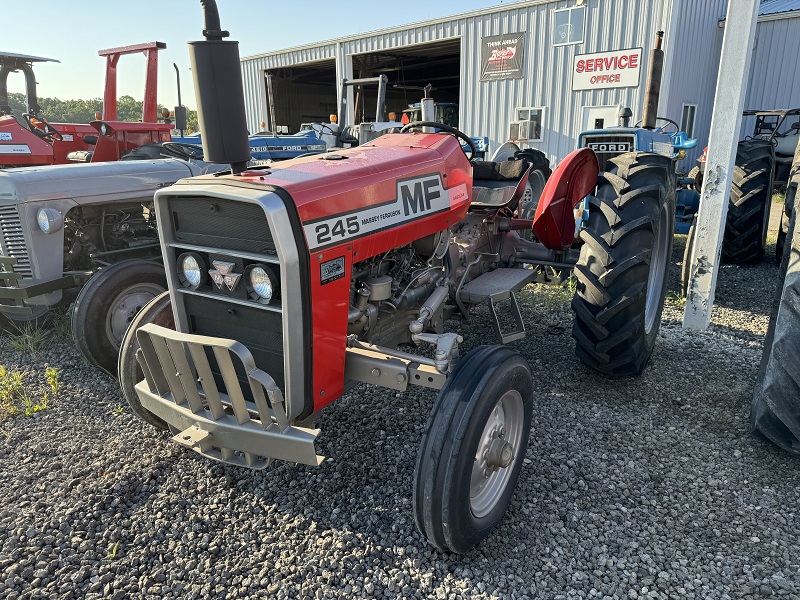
x: 608, y: 146
x: 14, y: 240
x: 221, y: 223
x: 223, y: 308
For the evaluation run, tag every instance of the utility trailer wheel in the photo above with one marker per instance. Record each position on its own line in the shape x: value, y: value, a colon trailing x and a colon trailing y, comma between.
x: 158, y: 311
x: 775, y: 409
x: 473, y: 447
x: 534, y: 187
x: 624, y: 263
x: 107, y: 304
x: 748, y: 208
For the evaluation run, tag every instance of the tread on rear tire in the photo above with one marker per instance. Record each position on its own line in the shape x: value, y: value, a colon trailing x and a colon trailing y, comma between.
x: 624, y: 263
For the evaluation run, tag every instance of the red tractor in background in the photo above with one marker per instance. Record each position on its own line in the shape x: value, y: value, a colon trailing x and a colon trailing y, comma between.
x: 30, y: 139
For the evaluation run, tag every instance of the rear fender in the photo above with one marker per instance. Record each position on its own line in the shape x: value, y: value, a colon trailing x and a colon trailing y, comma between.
x: 571, y: 182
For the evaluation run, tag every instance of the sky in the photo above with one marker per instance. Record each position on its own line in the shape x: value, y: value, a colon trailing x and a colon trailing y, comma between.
x: 73, y: 32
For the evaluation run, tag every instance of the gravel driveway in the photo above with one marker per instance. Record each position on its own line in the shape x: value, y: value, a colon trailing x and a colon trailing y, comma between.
x: 631, y: 488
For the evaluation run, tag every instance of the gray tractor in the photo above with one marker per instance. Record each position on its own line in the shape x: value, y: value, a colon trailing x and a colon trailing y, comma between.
x: 87, y: 229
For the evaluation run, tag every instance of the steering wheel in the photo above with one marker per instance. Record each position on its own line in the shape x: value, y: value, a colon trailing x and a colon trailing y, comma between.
x: 44, y: 131
x: 666, y: 120
x: 451, y: 130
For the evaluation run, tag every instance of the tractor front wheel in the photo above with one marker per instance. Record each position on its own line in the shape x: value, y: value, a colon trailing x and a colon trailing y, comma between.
x: 472, y: 451
x: 624, y: 263
x: 107, y: 304
x: 159, y: 312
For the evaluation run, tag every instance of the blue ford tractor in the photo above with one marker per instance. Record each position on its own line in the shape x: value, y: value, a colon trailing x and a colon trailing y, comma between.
x: 653, y: 135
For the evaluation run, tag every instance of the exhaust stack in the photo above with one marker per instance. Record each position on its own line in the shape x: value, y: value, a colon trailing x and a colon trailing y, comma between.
x: 653, y: 91
x: 220, y: 95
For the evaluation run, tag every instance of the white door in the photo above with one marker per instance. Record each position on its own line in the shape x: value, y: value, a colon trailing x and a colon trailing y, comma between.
x: 600, y: 117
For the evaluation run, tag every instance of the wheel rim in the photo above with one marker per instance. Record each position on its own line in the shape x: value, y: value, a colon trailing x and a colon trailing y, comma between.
x: 497, y: 453
x: 125, y: 307
x: 658, y: 266
x: 533, y: 193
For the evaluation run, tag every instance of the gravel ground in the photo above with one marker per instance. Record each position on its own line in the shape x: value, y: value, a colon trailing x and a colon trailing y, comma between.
x: 631, y: 489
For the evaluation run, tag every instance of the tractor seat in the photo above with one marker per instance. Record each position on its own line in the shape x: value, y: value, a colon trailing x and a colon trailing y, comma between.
x: 498, y: 185
x: 80, y: 156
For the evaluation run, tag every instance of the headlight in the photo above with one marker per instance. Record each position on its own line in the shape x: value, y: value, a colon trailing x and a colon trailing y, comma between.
x: 262, y: 283
x: 49, y: 220
x: 192, y: 271
x: 103, y: 129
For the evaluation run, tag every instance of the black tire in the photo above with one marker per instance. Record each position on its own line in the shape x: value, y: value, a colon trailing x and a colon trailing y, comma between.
x: 158, y: 311
x: 106, y: 305
x: 624, y: 264
x: 538, y: 177
x: 39, y: 318
x: 748, y: 208
x: 786, y: 217
x: 775, y: 409
x: 455, y: 504
x: 687, y: 257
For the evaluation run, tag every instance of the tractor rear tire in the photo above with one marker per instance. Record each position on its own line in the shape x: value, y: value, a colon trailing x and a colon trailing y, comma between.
x: 786, y: 218
x: 775, y: 410
x: 106, y: 305
x: 537, y: 179
x: 624, y: 264
x: 473, y: 447
x: 748, y: 208
x: 158, y: 311
x: 792, y: 185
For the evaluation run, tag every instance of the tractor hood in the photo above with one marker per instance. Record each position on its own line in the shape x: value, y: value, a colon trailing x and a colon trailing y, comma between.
x: 95, y: 182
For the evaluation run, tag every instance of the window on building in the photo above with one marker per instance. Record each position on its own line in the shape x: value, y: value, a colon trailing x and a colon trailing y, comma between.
x: 528, y: 125
x: 569, y: 25
x: 687, y: 118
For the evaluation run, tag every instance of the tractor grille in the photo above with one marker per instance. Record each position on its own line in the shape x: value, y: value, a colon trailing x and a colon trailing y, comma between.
x: 13, y: 240
x: 608, y: 146
x: 237, y: 233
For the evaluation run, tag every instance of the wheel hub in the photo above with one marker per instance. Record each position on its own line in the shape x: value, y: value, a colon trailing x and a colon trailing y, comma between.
x: 497, y: 449
x: 125, y: 307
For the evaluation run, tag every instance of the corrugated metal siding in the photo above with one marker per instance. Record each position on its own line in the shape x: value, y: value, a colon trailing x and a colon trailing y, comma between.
x: 775, y: 68
x: 692, y: 64
x: 487, y: 108
x: 771, y: 7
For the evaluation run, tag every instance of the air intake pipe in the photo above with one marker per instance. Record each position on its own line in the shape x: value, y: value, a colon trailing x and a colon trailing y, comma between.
x: 220, y: 95
x: 653, y: 90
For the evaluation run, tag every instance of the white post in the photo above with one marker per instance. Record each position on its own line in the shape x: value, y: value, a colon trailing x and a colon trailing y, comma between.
x: 734, y: 69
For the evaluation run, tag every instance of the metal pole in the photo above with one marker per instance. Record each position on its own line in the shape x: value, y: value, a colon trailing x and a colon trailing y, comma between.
x: 178, y: 78
x: 272, y: 118
x: 734, y: 69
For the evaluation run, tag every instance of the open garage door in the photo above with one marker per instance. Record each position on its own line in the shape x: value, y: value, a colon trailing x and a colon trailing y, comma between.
x: 409, y: 69
x: 304, y: 93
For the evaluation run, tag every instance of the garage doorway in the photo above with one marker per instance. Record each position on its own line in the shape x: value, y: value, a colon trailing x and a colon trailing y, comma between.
x: 305, y: 93
x: 409, y: 69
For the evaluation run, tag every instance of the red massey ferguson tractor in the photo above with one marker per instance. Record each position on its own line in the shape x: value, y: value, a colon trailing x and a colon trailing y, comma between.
x: 292, y: 283
x: 29, y: 139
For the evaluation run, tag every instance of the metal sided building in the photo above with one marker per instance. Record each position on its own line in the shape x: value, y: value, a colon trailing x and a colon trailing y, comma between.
x: 536, y: 71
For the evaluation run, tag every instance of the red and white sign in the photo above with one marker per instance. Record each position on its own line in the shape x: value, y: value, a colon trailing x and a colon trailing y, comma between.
x: 603, y: 70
